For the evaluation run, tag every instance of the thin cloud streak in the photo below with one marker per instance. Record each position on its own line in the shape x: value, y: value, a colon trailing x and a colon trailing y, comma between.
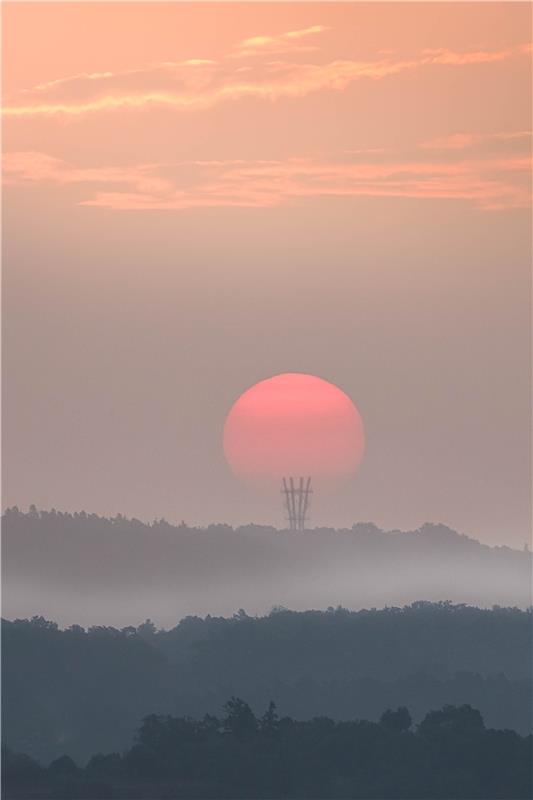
x: 462, y: 141
x: 199, y: 84
x: 282, y: 43
x: 82, y: 78
x: 490, y: 184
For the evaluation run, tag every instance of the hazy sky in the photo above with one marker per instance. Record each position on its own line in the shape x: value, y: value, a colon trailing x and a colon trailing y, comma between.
x: 201, y: 196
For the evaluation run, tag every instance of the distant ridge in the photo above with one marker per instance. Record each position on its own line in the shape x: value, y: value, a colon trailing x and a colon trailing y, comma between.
x: 81, y: 567
x: 432, y: 530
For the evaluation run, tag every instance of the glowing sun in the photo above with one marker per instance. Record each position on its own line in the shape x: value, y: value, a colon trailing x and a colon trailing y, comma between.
x: 293, y: 424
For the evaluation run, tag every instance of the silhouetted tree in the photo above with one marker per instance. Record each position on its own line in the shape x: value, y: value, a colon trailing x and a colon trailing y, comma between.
x: 399, y: 720
x: 239, y: 719
x: 64, y: 765
x: 269, y: 723
x: 452, y: 721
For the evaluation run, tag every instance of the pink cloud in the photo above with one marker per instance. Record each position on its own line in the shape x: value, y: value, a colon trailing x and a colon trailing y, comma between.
x: 289, y: 41
x: 452, y: 57
x: 488, y: 183
x: 462, y: 141
x: 201, y: 83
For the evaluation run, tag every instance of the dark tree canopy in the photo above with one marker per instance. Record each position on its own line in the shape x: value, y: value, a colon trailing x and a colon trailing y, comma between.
x: 399, y: 720
x: 450, y: 754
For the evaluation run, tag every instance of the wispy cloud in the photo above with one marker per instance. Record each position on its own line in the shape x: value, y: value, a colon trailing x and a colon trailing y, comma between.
x: 79, y: 76
x: 31, y: 167
x: 446, y: 56
x: 454, y: 58
x: 290, y: 41
x: 82, y: 79
x: 488, y: 183
x: 278, y: 80
x: 463, y: 141
x: 202, y: 83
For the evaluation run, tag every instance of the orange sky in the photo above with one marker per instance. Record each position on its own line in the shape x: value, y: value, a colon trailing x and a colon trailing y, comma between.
x: 198, y: 196
x: 257, y: 106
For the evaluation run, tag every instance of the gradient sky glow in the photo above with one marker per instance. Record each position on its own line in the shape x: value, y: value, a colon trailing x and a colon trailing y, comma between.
x: 198, y: 197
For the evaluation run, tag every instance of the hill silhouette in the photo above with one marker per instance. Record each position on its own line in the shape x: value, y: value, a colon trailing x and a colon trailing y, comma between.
x: 79, y: 568
x: 79, y: 692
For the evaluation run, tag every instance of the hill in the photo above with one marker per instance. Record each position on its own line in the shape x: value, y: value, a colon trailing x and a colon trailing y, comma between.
x: 79, y: 691
x: 79, y: 568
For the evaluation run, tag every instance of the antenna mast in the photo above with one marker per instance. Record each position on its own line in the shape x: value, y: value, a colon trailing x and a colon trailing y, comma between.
x: 296, y: 500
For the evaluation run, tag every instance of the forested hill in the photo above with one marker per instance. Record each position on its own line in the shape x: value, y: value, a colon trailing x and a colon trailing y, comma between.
x: 84, y: 568
x: 79, y: 691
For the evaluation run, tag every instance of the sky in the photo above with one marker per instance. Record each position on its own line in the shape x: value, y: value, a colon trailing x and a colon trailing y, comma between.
x: 198, y: 197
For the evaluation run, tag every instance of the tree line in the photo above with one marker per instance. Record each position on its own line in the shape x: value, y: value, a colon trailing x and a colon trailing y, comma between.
x: 449, y: 754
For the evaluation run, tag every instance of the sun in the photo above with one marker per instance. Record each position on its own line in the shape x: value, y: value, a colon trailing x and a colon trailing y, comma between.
x: 290, y: 425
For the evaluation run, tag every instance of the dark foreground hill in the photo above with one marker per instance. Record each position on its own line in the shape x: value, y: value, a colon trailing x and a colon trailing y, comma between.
x: 81, y: 568
x: 78, y: 692
x: 450, y: 754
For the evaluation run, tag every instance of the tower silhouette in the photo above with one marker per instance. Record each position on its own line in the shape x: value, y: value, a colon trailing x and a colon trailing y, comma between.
x: 296, y: 500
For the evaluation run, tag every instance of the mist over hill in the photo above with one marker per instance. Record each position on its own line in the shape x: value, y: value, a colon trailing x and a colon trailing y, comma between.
x: 85, y: 569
